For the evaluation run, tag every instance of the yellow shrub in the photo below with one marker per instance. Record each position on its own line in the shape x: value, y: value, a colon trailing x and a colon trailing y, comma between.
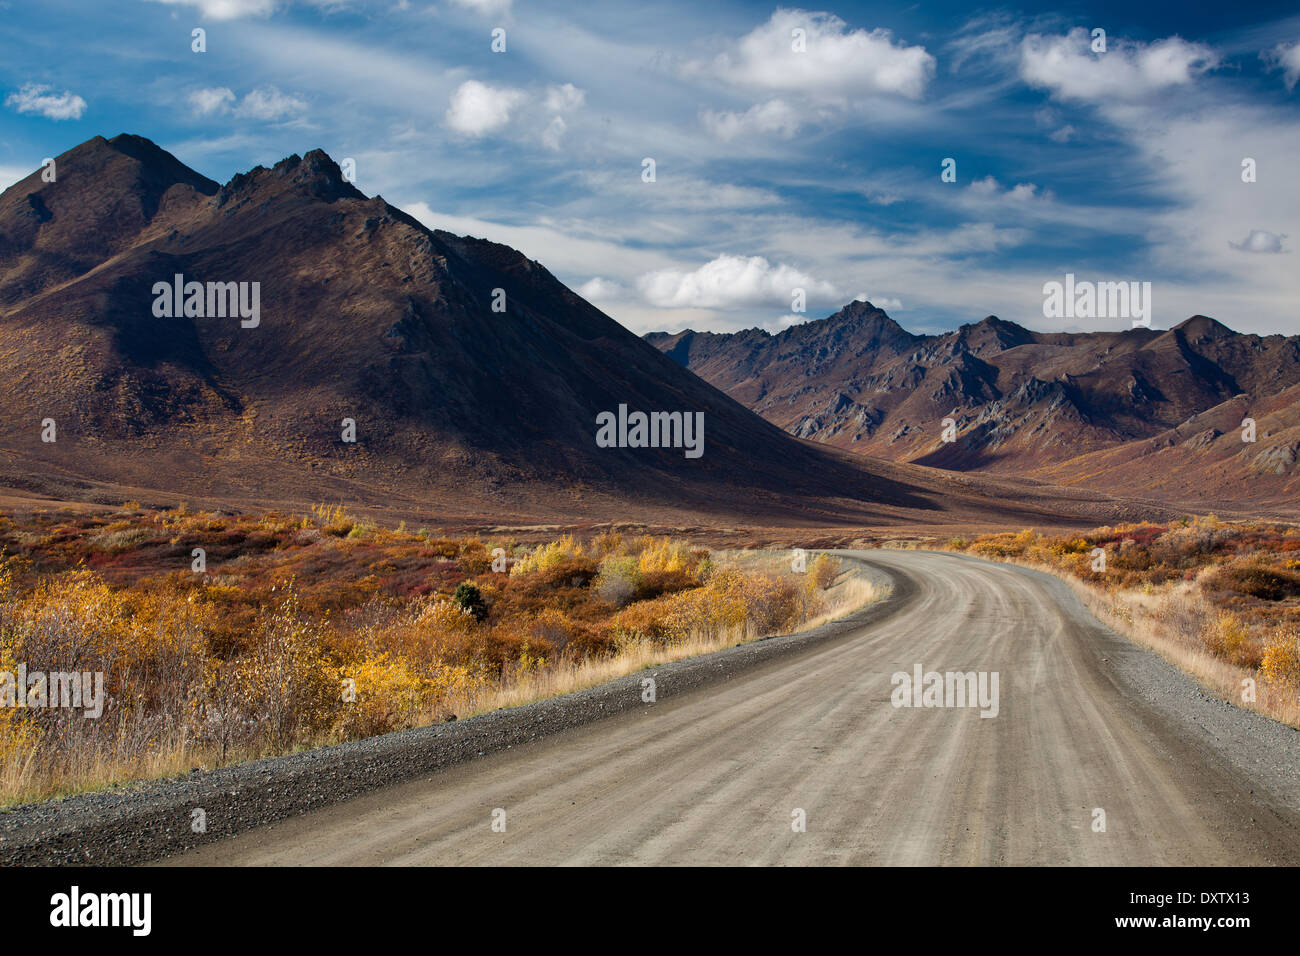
x: 548, y: 555
x: 664, y: 554
x: 823, y: 571
x: 389, y: 695
x: 1282, y: 656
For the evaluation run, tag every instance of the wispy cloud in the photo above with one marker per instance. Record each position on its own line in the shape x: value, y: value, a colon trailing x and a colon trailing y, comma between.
x: 227, y: 9
x: 1284, y: 57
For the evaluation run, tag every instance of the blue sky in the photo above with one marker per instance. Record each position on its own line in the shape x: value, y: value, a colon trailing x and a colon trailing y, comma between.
x: 775, y: 168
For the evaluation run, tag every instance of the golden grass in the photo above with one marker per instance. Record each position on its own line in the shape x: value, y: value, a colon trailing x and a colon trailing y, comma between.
x: 211, y: 671
x: 1171, y: 621
x: 850, y: 592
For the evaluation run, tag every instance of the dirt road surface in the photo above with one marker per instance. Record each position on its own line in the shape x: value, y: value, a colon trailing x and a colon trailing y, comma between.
x: 1086, y: 722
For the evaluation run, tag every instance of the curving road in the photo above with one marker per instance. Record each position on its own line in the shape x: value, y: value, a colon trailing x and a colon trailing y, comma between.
x: 714, y: 776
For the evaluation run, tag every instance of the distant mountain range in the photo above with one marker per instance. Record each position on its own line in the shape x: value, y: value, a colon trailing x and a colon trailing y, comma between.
x: 189, y: 340
x: 1147, y: 413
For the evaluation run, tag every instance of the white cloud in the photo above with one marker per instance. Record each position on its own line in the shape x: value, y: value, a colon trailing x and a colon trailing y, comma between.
x: 730, y: 282
x: 553, y: 135
x: 35, y: 98
x: 1284, y: 57
x: 1127, y: 71
x: 835, y: 65
x: 880, y: 302
x: 266, y: 104
x: 269, y: 104
x: 564, y: 98
x: 227, y: 9
x: 597, y: 289
x: 1259, y: 241
x: 678, y: 192
x: 988, y: 187
x: 214, y: 100
x: 477, y: 109
x: 774, y: 116
x: 486, y: 7
x: 560, y: 99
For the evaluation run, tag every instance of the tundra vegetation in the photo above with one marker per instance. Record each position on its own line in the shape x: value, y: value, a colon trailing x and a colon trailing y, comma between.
x: 292, y: 631
x: 1219, y: 599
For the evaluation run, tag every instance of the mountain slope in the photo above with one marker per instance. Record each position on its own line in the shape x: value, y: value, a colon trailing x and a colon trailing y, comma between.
x: 364, y: 315
x: 1018, y: 401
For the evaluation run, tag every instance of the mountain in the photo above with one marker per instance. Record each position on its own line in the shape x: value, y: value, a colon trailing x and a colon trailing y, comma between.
x: 355, y: 312
x: 1070, y: 408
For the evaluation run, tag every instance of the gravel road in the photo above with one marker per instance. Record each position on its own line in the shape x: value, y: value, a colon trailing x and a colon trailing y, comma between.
x: 718, y: 768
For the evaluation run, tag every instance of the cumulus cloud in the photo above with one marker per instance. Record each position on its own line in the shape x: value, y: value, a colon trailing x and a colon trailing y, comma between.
x: 269, y: 104
x: 1284, y: 57
x: 598, y: 289
x: 477, y: 109
x: 774, y: 116
x: 1127, y: 71
x: 217, y: 99
x: 35, y: 98
x: 731, y: 282
x: 835, y: 64
x: 266, y: 104
x: 1259, y: 241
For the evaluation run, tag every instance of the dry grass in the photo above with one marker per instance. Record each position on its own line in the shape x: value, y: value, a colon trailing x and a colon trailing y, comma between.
x: 1218, y: 600
x: 849, y: 592
x: 310, y: 630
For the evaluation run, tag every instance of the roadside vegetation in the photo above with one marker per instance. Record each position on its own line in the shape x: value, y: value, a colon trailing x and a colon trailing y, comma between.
x: 1221, y: 600
x: 293, y: 631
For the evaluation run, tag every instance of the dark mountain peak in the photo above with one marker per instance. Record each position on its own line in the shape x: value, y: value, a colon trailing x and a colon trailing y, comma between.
x: 156, y: 164
x: 1202, y: 327
x: 99, y: 198
x: 314, y: 175
x: 860, y: 311
x: 859, y: 323
x: 124, y: 164
x: 991, y: 331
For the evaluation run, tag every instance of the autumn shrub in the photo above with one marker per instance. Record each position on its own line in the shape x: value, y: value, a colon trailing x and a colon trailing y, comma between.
x: 1256, y: 580
x: 618, y: 580
x: 1281, y: 658
x: 548, y: 555
x: 301, y: 630
x: 823, y: 570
